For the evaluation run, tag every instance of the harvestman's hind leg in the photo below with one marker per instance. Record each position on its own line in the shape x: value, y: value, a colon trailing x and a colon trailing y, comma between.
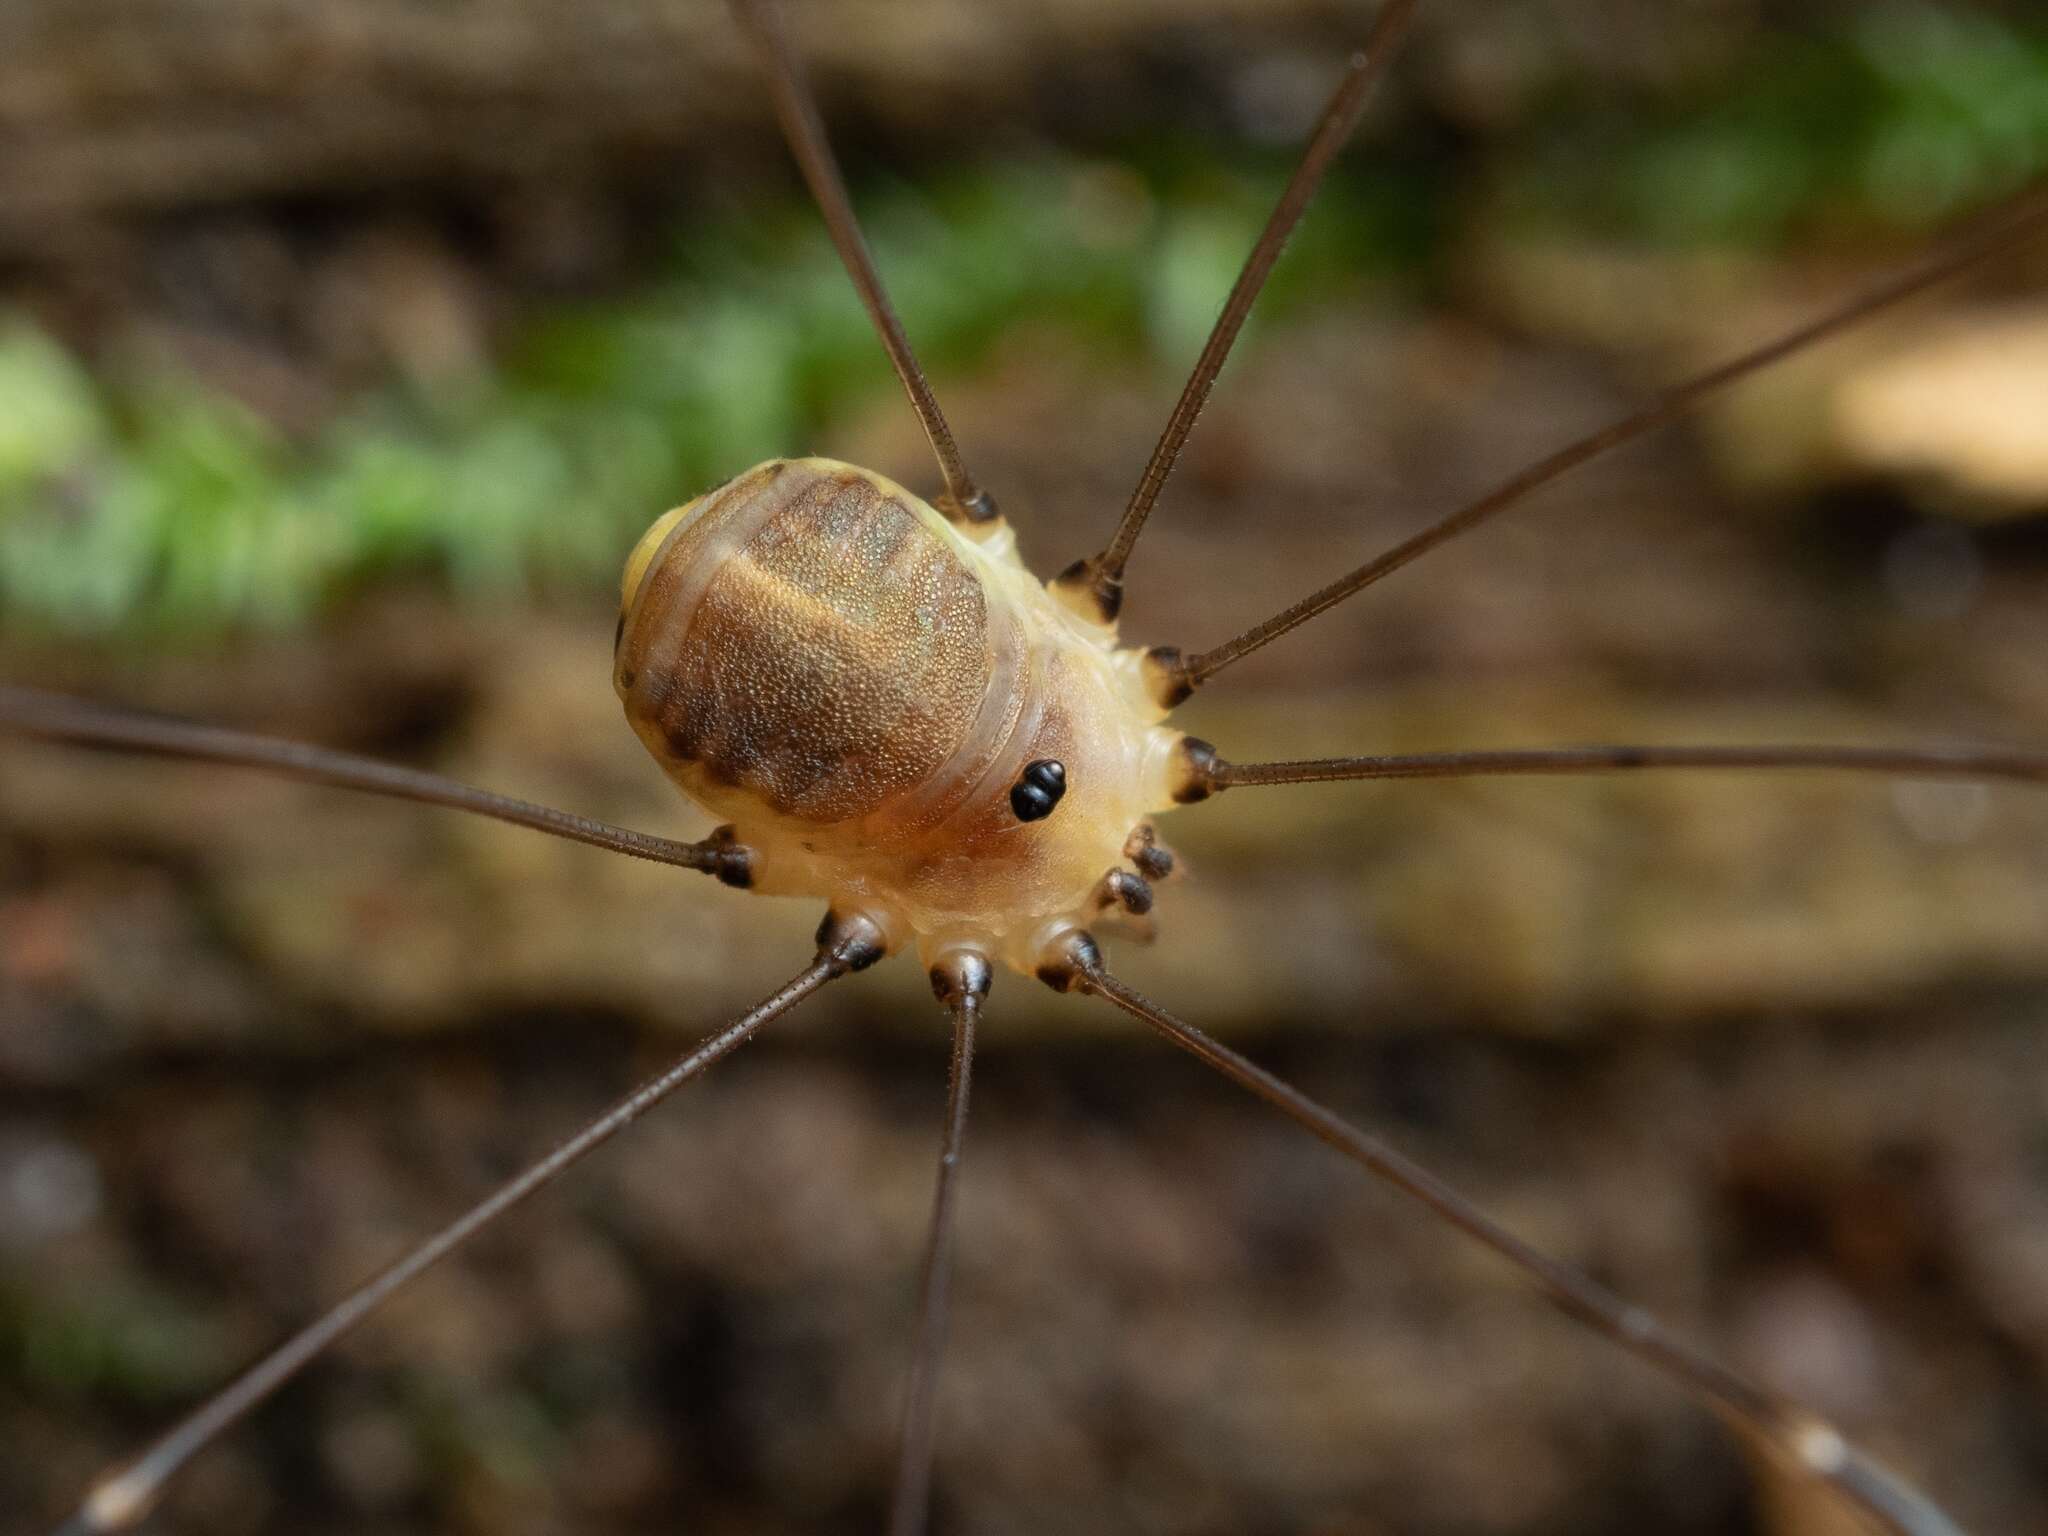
x: 1801, y: 1438
x: 961, y: 982
x: 1796, y: 1436
x: 125, y: 1495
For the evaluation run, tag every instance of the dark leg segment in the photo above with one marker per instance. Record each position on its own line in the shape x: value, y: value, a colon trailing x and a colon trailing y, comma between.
x: 961, y: 982
x: 123, y: 1497
x: 1801, y: 1438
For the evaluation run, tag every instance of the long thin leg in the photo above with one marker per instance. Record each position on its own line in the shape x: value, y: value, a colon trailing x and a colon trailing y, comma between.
x: 2028, y: 766
x: 1181, y: 675
x: 123, y: 1497
x: 961, y: 988
x: 797, y: 109
x: 54, y: 717
x: 1803, y: 1439
x: 1101, y: 575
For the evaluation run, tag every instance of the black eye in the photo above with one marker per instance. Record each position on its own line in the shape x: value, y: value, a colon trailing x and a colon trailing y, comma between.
x: 1034, y: 795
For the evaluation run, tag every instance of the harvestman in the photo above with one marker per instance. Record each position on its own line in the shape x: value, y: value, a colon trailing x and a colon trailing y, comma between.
x: 900, y: 720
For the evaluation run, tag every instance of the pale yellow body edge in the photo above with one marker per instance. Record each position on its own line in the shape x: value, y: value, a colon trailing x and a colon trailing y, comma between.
x: 981, y: 880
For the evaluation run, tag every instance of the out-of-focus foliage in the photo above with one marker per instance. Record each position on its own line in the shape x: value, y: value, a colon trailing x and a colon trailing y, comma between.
x: 145, y: 499
x: 1910, y: 115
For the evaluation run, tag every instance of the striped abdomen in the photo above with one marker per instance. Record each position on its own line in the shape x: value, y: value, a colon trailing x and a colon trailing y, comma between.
x: 805, y: 635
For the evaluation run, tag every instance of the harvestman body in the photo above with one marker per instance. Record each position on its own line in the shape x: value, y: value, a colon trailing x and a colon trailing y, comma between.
x: 899, y: 719
x: 895, y: 715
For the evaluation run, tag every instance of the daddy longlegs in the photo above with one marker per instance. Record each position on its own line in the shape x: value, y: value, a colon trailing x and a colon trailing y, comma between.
x: 898, y: 720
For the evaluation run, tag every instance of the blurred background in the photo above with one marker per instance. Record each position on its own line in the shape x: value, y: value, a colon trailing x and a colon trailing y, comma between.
x: 345, y: 350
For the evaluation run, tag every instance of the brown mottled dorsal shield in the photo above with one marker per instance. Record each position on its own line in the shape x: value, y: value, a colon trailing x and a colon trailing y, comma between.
x: 808, y: 638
